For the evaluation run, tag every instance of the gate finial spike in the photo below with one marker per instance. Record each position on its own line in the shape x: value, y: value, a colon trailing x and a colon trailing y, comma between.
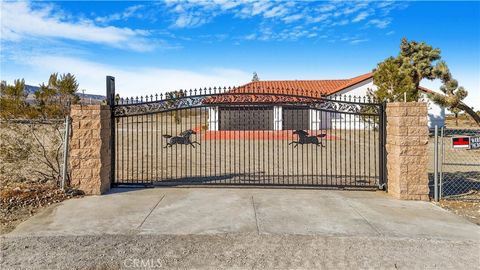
x: 146, y: 98
x: 156, y: 96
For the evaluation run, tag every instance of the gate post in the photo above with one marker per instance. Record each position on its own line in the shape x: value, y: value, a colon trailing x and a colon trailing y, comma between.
x: 91, y: 147
x: 407, y: 150
x: 111, y: 102
x: 90, y: 155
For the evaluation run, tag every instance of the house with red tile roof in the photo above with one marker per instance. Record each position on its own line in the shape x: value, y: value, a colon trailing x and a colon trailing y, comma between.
x: 267, y: 105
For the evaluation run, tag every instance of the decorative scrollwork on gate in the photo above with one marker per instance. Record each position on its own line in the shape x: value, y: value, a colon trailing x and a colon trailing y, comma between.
x: 157, y: 106
x: 347, y: 107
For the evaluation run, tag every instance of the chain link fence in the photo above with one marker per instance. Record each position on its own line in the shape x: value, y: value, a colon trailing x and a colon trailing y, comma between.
x: 455, y: 164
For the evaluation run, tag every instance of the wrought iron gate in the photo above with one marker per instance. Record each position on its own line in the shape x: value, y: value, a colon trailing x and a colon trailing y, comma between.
x: 177, y: 139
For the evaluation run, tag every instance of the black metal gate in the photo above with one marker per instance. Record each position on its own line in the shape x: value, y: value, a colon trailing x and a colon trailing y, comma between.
x: 176, y: 139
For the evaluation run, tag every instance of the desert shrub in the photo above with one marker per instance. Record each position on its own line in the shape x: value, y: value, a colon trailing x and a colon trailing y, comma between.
x: 30, y: 151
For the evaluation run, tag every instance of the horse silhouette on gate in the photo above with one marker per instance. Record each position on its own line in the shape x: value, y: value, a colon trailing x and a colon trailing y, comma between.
x: 303, y: 138
x: 182, y: 138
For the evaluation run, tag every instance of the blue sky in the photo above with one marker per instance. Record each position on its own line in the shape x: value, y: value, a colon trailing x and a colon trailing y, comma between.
x: 152, y: 47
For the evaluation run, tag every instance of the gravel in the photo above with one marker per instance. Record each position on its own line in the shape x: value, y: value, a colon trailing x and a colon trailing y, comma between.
x: 20, y: 201
x: 237, y: 251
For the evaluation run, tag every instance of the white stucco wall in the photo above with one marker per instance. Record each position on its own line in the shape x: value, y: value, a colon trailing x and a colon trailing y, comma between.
x: 436, y: 114
x: 213, y: 117
x: 356, y: 93
x: 358, y: 90
x: 277, y: 118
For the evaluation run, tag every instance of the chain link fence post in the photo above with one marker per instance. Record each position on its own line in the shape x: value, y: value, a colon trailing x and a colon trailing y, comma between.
x: 435, y: 165
x: 65, y: 152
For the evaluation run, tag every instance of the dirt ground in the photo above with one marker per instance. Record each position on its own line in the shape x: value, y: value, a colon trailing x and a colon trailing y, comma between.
x: 467, y: 206
x: 27, y: 183
x: 237, y: 251
x: 20, y: 201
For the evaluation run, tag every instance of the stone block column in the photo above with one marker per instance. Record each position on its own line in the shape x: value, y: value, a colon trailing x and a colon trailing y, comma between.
x: 407, y: 151
x: 90, y: 153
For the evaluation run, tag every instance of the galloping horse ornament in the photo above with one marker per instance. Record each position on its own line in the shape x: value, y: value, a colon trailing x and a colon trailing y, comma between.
x: 182, y: 138
x: 303, y: 138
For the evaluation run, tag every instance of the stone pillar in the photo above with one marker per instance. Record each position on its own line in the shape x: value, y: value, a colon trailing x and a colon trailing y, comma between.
x: 90, y: 160
x: 407, y: 150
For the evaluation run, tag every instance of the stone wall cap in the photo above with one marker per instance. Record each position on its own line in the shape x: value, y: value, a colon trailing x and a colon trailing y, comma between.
x: 406, y: 104
x: 90, y: 107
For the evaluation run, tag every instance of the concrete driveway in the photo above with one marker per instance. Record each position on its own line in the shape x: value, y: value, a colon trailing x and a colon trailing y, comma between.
x: 201, y: 228
x: 182, y: 211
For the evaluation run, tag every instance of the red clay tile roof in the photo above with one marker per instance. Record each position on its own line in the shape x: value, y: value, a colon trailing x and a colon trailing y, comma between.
x: 306, y: 88
x: 252, y: 92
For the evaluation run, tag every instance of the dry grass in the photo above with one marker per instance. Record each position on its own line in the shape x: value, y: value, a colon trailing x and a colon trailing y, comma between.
x: 466, y: 206
x: 28, y: 152
x: 463, y: 121
x: 27, y: 183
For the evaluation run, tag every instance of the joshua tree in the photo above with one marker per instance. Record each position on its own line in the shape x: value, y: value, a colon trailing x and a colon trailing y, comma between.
x: 397, y: 76
x: 255, y: 77
x: 392, y: 84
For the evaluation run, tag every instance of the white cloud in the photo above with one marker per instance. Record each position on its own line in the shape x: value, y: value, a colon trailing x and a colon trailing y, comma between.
x: 189, y: 20
x: 361, y: 16
x: 131, y: 81
x: 277, y: 11
x: 326, y: 8
x: 319, y: 18
x: 340, y: 22
x: 127, y: 13
x: 292, y: 18
x: 20, y: 21
x: 356, y: 41
x: 250, y: 37
x: 379, y: 23
x: 280, y: 15
x: 259, y: 8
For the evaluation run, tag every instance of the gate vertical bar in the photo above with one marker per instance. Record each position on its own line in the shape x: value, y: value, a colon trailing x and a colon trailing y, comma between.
x: 442, y: 155
x: 381, y: 147
x: 435, y: 165
x: 111, y: 101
